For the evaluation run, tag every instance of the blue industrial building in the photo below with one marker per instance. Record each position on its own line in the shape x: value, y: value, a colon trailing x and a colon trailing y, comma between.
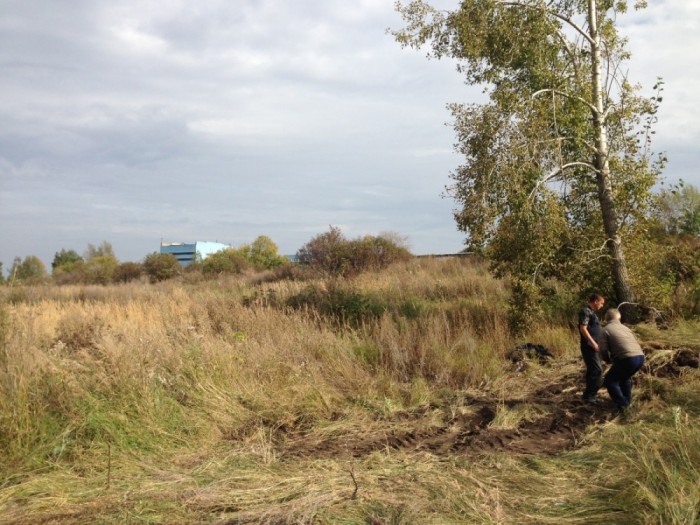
x: 187, y: 253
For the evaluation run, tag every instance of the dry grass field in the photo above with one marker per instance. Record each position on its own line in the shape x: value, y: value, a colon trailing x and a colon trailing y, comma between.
x: 392, y: 398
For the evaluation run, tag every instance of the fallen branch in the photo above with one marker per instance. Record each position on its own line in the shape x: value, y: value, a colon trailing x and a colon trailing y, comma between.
x: 352, y: 475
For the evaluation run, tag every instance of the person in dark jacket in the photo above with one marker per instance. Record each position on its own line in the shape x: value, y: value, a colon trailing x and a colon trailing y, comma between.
x: 619, y: 345
x: 590, y: 330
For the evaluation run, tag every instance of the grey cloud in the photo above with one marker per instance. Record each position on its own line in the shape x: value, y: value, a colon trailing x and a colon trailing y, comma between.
x: 134, y: 121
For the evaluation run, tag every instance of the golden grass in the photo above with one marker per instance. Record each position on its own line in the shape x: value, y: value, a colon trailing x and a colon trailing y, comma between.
x: 217, y: 402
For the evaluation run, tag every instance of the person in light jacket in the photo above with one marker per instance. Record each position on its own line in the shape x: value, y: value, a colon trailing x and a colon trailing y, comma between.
x: 619, y: 345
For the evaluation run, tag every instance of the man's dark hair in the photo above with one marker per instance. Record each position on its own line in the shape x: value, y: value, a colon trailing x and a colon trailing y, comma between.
x: 594, y: 297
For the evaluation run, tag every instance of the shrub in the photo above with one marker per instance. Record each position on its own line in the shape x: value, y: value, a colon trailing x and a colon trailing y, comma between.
x: 344, y: 306
x: 326, y: 252
x: 161, y: 266
x: 225, y: 261
x: 70, y: 273
x: 128, y: 271
x: 332, y: 253
x: 525, y: 309
x: 100, y: 269
x: 376, y: 253
x: 262, y: 254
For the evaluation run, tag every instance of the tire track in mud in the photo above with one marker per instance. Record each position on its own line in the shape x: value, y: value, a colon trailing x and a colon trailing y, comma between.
x: 560, y: 422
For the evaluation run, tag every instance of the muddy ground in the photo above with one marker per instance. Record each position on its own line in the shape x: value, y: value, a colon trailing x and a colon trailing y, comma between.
x: 559, y: 424
x: 559, y: 421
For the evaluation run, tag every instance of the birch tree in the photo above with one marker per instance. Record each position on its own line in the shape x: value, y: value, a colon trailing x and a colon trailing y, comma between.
x: 557, y: 162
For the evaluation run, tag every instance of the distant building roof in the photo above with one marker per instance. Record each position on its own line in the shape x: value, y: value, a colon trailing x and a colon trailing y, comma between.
x: 187, y: 253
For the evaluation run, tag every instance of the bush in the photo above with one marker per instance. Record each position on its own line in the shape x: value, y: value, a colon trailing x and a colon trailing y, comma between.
x: 225, y: 261
x: 376, y: 253
x: 100, y: 269
x: 128, y: 271
x: 332, y: 253
x: 70, y: 273
x: 29, y: 270
x: 262, y: 254
x: 344, y: 306
x: 161, y: 266
x: 326, y: 252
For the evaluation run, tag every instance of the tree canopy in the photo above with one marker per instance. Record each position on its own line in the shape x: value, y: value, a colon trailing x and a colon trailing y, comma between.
x: 64, y: 258
x: 679, y: 210
x: 558, y: 165
x: 263, y: 253
x: 103, y: 250
x: 29, y: 270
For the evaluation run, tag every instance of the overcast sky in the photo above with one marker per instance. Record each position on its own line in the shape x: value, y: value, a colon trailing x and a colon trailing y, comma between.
x: 182, y: 120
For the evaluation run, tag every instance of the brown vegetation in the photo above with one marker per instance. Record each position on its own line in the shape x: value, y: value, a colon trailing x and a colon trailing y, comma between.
x: 385, y: 399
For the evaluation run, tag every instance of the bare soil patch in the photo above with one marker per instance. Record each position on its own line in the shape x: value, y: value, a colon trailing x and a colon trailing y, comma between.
x: 472, y: 428
x: 558, y: 425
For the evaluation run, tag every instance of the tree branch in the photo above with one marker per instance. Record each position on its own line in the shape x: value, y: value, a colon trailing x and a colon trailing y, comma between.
x: 567, y: 95
x: 354, y: 481
x: 599, y: 250
x: 559, y: 16
x: 559, y: 171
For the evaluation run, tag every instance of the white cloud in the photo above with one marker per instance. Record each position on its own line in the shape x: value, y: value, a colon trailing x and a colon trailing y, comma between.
x: 135, y: 120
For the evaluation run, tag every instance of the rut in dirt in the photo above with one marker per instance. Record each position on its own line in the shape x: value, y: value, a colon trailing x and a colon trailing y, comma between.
x: 561, y: 421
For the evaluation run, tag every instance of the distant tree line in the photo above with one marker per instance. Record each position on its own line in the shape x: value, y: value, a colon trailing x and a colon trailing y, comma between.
x: 327, y: 253
x: 667, y: 253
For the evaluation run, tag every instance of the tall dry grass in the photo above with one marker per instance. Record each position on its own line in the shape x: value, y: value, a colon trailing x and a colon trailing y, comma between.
x: 141, y: 367
x: 172, y: 403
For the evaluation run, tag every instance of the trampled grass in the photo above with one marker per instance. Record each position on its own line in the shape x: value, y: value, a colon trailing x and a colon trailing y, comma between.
x: 222, y: 401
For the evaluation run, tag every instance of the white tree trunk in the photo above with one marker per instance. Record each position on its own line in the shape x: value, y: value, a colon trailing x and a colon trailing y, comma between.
x: 623, y: 288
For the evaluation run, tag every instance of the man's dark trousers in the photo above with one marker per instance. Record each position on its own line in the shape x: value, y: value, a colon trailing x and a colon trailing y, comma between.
x: 618, y: 380
x: 594, y: 372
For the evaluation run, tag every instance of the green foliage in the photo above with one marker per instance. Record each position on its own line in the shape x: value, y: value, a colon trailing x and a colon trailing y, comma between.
x: 2, y: 276
x: 678, y: 210
x: 65, y: 257
x: 558, y: 167
x: 524, y: 309
x: 71, y: 273
x: 161, y: 266
x: 665, y: 257
x: 332, y: 253
x: 327, y: 252
x: 340, y: 304
x: 262, y: 254
x: 100, y: 269
x: 103, y: 250
x: 98, y: 266
x: 29, y: 270
x: 230, y: 261
x: 376, y: 252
